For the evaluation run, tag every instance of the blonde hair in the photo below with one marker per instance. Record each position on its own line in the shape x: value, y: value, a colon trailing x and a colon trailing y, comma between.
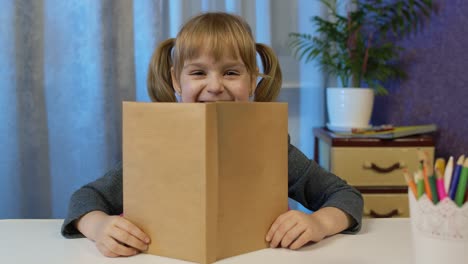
x: 222, y: 34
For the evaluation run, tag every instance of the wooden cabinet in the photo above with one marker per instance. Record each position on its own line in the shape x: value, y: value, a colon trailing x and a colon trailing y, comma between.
x: 374, y: 167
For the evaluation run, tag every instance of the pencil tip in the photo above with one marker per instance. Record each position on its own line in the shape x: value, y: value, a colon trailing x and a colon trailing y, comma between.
x: 465, y: 164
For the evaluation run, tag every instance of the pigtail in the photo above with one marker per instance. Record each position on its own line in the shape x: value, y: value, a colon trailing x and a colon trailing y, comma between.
x: 159, y: 81
x: 268, y: 88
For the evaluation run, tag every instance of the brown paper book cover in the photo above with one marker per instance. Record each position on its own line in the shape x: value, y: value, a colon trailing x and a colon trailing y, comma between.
x: 204, y: 181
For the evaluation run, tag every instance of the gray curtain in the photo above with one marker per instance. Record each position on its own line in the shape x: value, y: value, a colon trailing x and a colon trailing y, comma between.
x: 65, y: 68
x: 67, y: 65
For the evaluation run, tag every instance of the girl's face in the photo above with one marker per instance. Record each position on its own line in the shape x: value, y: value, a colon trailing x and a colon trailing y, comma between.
x: 205, y: 80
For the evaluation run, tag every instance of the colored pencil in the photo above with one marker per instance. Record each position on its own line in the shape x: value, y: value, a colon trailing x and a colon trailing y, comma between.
x: 456, y: 177
x: 461, y: 189
x: 440, y: 184
x: 418, y: 177
x: 432, y: 179
x: 440, y: 163
x: 422, y: 166
x: 448, y: 174
x: 410, y: 183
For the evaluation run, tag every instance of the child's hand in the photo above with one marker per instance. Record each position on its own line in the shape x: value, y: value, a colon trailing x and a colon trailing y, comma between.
x: 294, y: 229
x: 114, y: 236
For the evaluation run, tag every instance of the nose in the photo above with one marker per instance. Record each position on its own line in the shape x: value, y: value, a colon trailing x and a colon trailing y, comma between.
x: 215, y: 85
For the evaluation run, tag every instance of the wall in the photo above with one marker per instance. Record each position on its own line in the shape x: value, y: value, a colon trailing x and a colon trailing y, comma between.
x: 435, y: 91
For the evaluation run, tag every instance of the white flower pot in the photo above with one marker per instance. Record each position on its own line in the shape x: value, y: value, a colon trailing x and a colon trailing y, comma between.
x: 349, y: 107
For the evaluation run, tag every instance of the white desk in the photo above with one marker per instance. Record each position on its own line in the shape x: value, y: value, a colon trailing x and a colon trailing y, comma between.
x: 39, y: 241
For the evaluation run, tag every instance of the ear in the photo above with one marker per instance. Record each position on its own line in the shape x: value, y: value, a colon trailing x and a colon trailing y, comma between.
x: 175, y: 82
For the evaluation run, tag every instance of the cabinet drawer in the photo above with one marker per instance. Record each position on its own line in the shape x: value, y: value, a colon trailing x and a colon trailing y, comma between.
x: 386, y: 205
x: 375, y: 166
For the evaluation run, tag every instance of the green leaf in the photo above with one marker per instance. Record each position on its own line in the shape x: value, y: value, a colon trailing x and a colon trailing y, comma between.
x: 339, y: 46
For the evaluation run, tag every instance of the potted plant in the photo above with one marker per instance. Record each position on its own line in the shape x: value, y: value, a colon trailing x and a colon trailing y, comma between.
x: 360, y: 49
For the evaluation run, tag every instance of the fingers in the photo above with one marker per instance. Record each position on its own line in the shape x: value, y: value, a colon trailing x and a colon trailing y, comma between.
x: 292, y: 235
x: 120, y: 237
x: 303, y: 239
x: 105, y: 251
x: 275, y: 227
x: 294, y: 229
x: 279, y: 229
x: 111, y: 248
x: 129, y: 234
x: 132, y: 229
x: 128, y: 239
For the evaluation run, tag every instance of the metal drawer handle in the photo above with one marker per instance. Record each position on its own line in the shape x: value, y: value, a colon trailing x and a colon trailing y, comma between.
x: 373, y: 166
x: 392, y: 213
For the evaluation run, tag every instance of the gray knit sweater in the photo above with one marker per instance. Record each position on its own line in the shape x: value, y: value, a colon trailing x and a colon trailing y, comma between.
x: 308, y: 183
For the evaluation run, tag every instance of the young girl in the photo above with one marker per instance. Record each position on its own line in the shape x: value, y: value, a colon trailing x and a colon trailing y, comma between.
x: 213, y: 58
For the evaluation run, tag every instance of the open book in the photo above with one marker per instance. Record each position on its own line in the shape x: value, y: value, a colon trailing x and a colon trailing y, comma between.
x: 205, y: 181
x: 395, y: 132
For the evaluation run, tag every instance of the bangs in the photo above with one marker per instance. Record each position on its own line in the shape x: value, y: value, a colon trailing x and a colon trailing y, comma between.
x: 217, y: 36
x: 214, y: 45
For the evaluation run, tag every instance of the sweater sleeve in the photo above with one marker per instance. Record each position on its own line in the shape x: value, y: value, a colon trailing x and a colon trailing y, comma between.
x: 314, y: 187
x: 103, y: 194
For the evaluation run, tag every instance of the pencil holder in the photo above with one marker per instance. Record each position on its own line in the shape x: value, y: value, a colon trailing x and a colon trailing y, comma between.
x: 439, y: 232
